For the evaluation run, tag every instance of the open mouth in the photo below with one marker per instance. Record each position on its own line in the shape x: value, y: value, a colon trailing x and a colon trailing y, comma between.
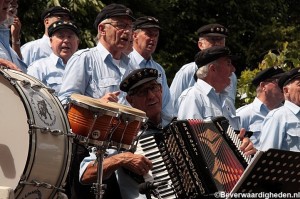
x: 152, y: 103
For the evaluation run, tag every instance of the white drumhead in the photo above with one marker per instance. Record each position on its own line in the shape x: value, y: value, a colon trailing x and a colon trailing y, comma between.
x: 14, y: 145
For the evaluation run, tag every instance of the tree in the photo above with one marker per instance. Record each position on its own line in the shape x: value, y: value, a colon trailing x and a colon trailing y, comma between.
x: 255, y: 26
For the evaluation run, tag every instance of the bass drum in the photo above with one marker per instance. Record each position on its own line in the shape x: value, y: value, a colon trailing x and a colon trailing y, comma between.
x: 35, y: 141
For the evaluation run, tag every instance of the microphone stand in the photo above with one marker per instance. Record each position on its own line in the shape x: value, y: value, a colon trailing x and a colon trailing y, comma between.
x: 99, y: 187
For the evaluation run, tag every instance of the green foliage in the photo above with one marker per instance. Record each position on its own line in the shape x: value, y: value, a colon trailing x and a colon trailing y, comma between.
x: 255, y: 28
x: 246, y: 91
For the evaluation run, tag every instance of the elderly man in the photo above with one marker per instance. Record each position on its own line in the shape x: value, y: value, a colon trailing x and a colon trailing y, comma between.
x: 101, y: 69
x: 145, y: 39
x: 207, y: 99
x: 268, y: 97
x: 144, y: 92
x: 41, y: 48
x: 209, y: 35
x: 64, y: 39
x: 281, y: 127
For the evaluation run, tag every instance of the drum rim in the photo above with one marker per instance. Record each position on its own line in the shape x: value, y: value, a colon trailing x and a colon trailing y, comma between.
x: 129, y: 110
x: 88, y: 102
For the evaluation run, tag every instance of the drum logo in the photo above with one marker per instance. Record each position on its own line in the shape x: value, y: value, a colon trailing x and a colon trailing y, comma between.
x: 96, y: 134
x: 43, y: 109
x: 34, y: 194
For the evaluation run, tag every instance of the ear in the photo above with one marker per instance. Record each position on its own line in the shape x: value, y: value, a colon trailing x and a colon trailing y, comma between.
x: 262, y: 85
x: 212, y: 67
x: 285, y: 90
x: 200, y: 44
x: 101, y: 29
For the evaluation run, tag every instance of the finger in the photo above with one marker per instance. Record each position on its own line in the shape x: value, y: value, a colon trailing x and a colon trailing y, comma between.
x: 242, y: 133
x: 244, y: 144
x: 116, y: 93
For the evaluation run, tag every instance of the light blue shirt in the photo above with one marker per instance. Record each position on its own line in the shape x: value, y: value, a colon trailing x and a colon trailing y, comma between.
x: 92, y: 72
x: 37, y: 49
x: 137, y: 62
x: 184, y: 78
x: 281, y: 128
x: 252, y: 116
x: 202, y: 102
x: 49, y: 70
x: 6, y: 52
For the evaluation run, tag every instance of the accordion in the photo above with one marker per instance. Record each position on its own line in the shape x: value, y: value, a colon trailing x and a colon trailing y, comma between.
x: 200, y: 157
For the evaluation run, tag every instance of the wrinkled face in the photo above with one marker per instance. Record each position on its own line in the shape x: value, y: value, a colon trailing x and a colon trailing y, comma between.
x: 272, y: 91
x: 64, y: 43
x: 207, y: 42
x: 222, y: 73
x: 116, y: 33
x: 148, y: 98
x: 292, y: 91
x: 4, y: 6
x: 145, y: 41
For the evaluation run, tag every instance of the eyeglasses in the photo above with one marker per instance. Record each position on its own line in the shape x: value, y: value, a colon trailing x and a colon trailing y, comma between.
x: 142, y: 92
x: 119, y: 26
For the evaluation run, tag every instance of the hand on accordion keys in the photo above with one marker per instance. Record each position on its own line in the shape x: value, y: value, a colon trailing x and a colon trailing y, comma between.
x: 247, y: 146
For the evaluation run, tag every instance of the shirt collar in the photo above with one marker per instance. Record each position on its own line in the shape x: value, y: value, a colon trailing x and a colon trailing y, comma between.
x: 258, y: 105
x: 139, y: 58
x: 293, y: 107
x: 57, y: 60
x: 106, y: 55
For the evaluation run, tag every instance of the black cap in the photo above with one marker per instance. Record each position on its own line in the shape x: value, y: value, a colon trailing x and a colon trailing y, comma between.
x: 208, y: 55
x: 58, y: 25
x: 272, y: 72
x: 212, y: 30
x: 146, y: 22
x: 113, y: 10
x: 287, y: 77
x: 56, y: 10
x: 137, y: 78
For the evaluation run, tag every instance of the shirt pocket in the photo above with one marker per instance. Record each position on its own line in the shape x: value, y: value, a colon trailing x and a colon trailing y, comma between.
x: 54, y: 81
x: 106, y: 85
x: 255, y: 127
x: 293, y: 129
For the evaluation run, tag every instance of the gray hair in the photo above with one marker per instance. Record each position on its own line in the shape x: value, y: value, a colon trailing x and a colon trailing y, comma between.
x: 203, y: 71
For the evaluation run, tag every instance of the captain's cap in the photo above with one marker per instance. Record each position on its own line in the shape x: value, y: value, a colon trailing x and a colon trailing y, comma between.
x: 58, y: 25
x: 289, y: 76
x: 208, y: 55
x: 146, y: 22
x: 113, y: 10
x: 268, y: 73
x: 212, y: 30
x: 56, y: 10
x: 138, y: 77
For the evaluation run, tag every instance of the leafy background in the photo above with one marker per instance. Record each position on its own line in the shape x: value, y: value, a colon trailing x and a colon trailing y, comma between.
x: 256, y: 28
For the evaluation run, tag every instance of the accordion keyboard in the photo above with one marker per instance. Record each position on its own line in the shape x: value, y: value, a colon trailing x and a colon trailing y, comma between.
x: 148, y: 147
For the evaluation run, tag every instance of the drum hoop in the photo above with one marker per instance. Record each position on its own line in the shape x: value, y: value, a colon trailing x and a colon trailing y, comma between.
x: 132, y: 117
x: 30, y: 117
x: 92, y: 104
x: 134, y: 112
x: 105, y: 111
